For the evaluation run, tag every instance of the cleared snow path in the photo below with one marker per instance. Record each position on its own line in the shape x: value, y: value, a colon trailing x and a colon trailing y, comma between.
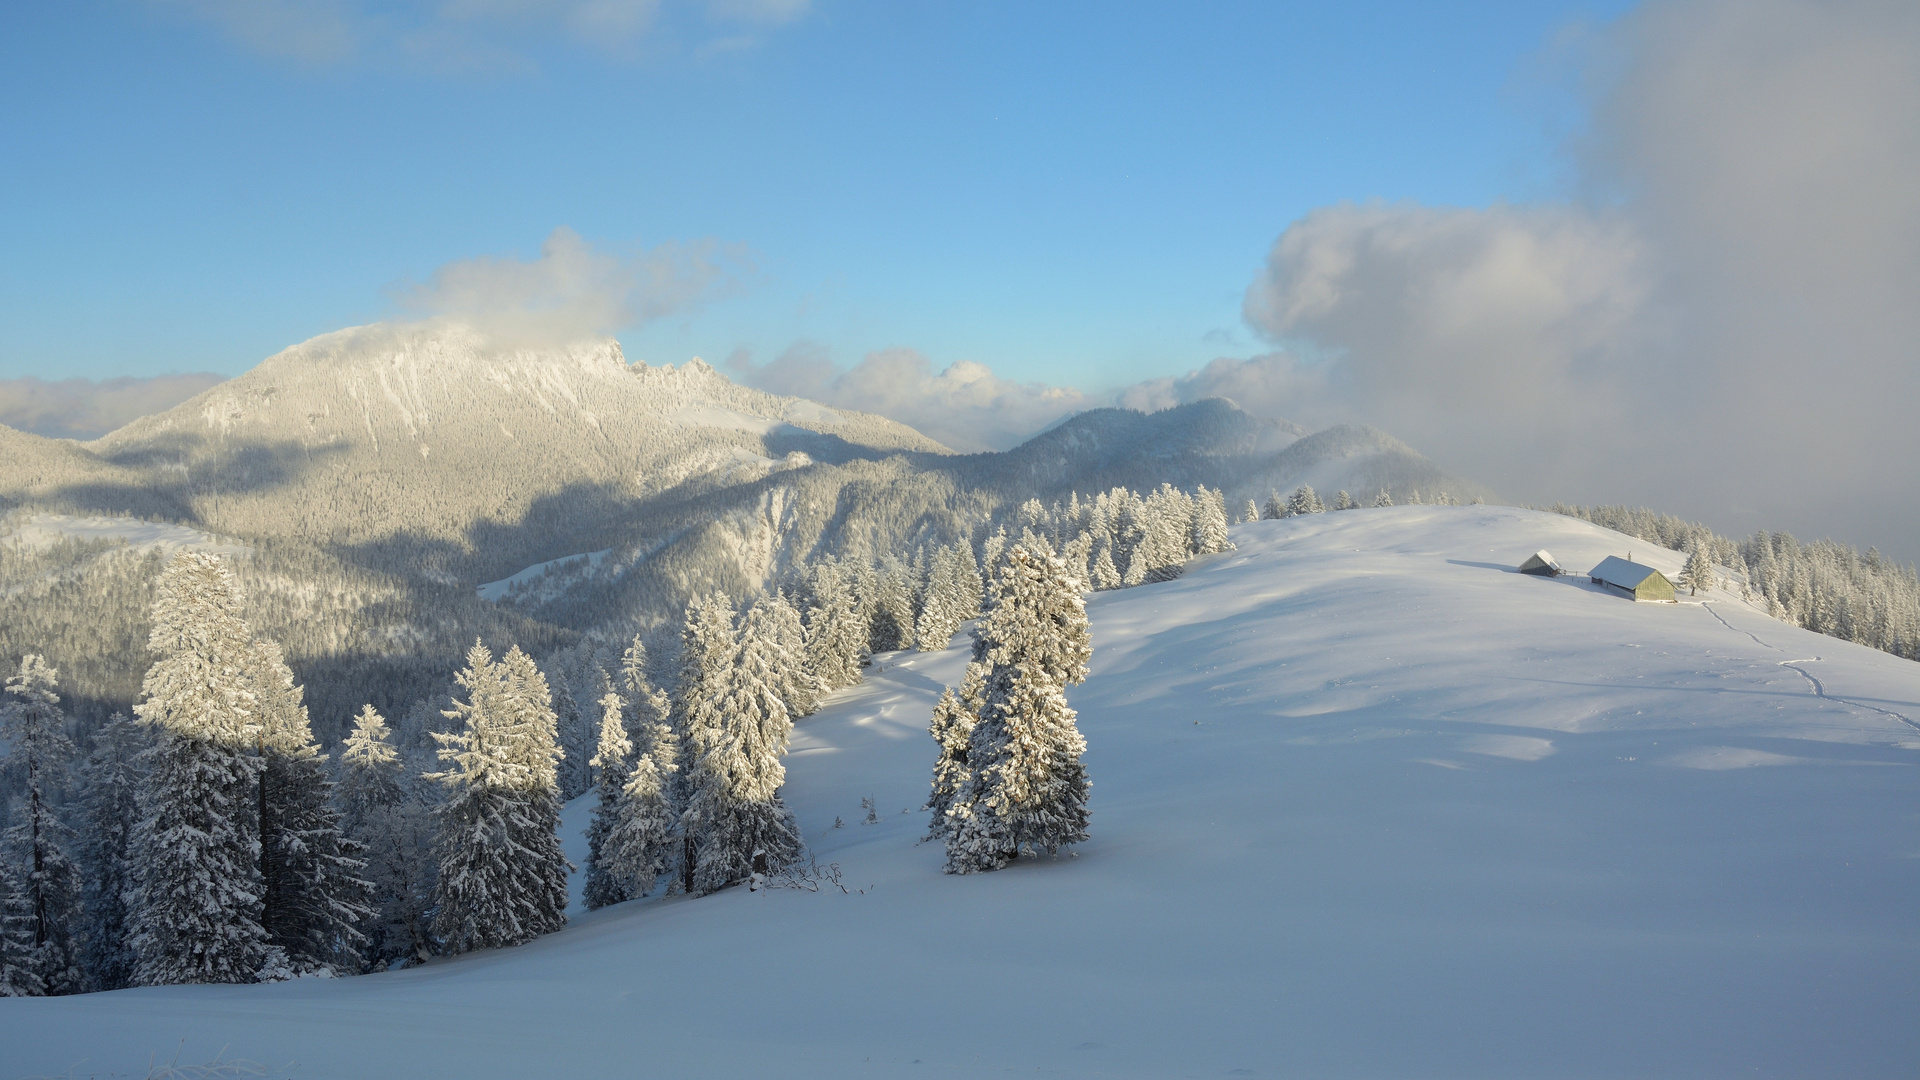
x: 1367, y: 803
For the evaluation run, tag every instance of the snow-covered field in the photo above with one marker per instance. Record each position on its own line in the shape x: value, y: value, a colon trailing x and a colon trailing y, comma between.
x: 45, y: 530
x: 1367, y: 803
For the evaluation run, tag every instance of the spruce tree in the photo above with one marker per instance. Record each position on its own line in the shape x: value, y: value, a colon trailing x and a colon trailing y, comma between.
x: 1383, y: 499
x: 196, y: 849
x: 1344, y: 501
x: 1304, y: 501
x: 109, y: 808
x: 1210, y: 523
x: 952, y: 731
x: 1251, y: 512
x: 1276, y: 507
x: 19, y: 960
x: 836, y: 632
x: 1697, y: 574
x: 34, y: 729
x: 735, y: 819
x: 800, y: 688
x: 611, y: 769
x: 707, y: 650
x: 393, y: 828
x: 502, y: 876
x: 1026, y: 786
x: 314, y: 895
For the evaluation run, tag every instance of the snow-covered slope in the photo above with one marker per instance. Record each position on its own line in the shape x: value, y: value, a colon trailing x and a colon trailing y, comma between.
x: 1367, y: 803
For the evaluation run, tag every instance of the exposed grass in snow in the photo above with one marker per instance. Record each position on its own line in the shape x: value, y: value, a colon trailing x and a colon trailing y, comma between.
x: 1367, y: 803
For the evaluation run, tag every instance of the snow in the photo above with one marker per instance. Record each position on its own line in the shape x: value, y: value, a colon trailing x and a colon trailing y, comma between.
x: 1367, y: 802
x: 495, y: 591
x: 45, y: 530
x: 715, y: 417
x: 1615, y: 570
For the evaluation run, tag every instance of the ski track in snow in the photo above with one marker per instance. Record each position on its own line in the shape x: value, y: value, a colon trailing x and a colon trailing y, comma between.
x: 1365, y: 805
x: 1819, y: 689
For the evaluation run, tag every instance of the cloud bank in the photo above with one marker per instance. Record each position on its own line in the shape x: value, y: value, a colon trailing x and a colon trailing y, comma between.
x: 1726, y: 326
x: 964, y: 406
x: 85, y: 409
x: 572, y: 291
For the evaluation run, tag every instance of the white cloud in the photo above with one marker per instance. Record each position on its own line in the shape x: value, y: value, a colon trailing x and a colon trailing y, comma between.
x: 572, y: 291
x: 1726, y: 325
x: 965, y: 406
x: 85, y: 409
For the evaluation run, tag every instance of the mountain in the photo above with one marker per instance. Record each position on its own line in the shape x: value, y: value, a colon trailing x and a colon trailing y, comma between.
x: 1366, y: 803
x: 380, y: 475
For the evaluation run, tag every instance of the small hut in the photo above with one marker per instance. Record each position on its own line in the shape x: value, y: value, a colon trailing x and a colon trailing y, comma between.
x: 1541, y: 564
x: 1633, y: 579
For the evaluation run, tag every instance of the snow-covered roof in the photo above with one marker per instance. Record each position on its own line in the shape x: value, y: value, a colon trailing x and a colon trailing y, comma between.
x: 1625, y: 573
x: 1543, y: 557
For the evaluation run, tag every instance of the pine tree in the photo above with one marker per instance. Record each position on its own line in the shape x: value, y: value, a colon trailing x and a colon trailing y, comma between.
x: 1344, y: 501
x: 1383, y: 499
x: 952, y: 731
x: 1304, y: 501
x: 1026, y: 787
x: 314, y: 896
x: 1210, y: 523
x: 611, y: 770
x: 800, y: 688
x: 34, y: 730
x: 735, y: 819
x: 836, y: 633
x: 502, y: 876
x: 19, y: 961
x: 953, y: 597
x: 707, y: 651
x: 1101, y: 570
x: 109, y: 808
x: 1697, y: 574
x: 1276, y: 507
x: 649, y: 715
x: 196, y: 849
x: 393, y: 829
x: 1251, y: 512
x: 889, y: 606
x: 577, y: 736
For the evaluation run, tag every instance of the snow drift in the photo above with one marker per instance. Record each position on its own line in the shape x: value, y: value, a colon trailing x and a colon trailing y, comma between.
x: 1367, y: 802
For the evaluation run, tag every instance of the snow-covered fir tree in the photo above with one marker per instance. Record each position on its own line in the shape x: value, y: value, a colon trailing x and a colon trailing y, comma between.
x: 1697, y: 574
x: 631, y: 836
x: 38, y: 845
x: 110, y: 781
x: 1343, y: 501
x: 196, y: 850
x: 314, y: 895
x: 1304, y: 500
x: 1026, y: 786
x: 1210, y: 523
x: 735, y: 820
x: 952, y: 730
x: 1101, y: 572
x: 1251, y: 512
x: 990, y: 554
x: 648, y: 712
x: 502, y: 875
x: 1383, y: 499
x: 394, y: 830
x: 889, y: 605
x: 800, y: 688
x: 19, y: 967
x: 953, y: 597
x: 612, y: 766
x: 1276, y: 507
x: 578, y: 734
x: 708, y: 646
x: 836, y: 632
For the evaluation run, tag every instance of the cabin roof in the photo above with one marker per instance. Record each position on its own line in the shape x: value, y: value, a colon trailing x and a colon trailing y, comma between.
x: 1622, y: 572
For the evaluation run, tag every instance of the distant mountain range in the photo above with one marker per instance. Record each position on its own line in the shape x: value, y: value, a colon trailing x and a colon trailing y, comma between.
x: 426, y: 455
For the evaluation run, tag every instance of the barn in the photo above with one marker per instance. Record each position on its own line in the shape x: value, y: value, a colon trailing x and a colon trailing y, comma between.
x: 1542, y: 564
x: 1633, y: 579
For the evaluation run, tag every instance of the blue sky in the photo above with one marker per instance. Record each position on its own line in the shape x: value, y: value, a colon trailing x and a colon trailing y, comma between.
x: 1661, y: 253
x: 1073, y: 193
